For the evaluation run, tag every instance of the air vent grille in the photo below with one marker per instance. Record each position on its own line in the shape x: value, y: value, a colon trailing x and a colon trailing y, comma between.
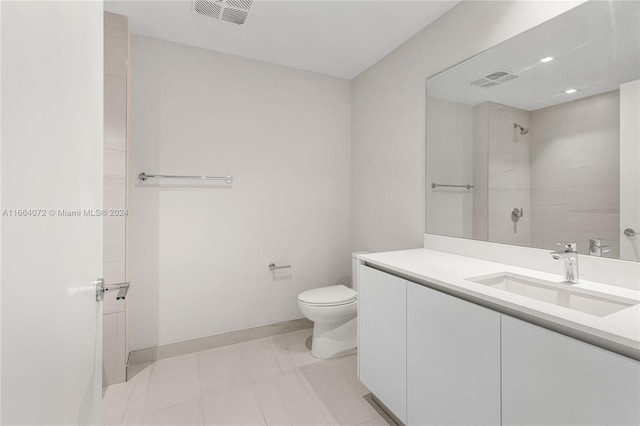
x: 234, y: 11
x: 494, y: 79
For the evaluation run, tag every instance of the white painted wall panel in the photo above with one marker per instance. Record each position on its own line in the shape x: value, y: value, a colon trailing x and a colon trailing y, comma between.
x: 200, y: 250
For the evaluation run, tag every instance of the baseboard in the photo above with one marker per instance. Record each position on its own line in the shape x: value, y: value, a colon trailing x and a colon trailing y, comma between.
x: 382, y: 409
x: 149, y: 355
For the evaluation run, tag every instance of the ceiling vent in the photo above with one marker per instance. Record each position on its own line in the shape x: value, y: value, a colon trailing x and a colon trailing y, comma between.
x: 234, y: 11
x: 494, y: 79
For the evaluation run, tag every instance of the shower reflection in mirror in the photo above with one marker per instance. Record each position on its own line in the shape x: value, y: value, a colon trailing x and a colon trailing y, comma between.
x: 505, y: 121
x: 522, y: 131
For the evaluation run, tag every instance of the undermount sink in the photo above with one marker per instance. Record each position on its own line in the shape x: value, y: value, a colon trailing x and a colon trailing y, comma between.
x: 559, y: 294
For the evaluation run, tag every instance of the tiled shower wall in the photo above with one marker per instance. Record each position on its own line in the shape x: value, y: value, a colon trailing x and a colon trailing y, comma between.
x: 564, y: 173
x: 116, y: 40
x: 501, y: 174
x: 575, y: 169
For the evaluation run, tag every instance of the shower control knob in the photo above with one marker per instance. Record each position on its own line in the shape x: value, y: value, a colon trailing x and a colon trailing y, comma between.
x: 629, y: 232
x: 517, y: 213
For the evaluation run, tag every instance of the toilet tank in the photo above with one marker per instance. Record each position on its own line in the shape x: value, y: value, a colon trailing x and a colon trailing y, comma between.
x: 354, y: 268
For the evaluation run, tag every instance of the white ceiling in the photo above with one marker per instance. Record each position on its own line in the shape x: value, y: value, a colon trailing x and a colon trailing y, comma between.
x: 338, y: 38
x: 596, y: 47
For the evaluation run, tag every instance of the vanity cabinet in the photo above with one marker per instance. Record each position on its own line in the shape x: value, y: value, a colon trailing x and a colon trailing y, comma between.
x: 551, y: 379
x: 435, y: 359
x: 382, y: 338
x: 453, y: 360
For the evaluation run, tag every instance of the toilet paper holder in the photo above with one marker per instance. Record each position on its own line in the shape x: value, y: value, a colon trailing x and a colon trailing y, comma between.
x: 273, y: 267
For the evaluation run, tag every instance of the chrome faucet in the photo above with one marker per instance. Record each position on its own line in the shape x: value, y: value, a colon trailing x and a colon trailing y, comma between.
x: 596, y: 248
x: 569, y: 253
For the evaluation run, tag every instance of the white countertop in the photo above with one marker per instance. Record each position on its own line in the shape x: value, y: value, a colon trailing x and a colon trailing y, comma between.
x: 618, y: 332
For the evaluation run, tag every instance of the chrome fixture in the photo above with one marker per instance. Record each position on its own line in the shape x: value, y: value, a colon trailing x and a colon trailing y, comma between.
x: 435, y: 185
x: 273, y: 267
x: 630, y: 232
x: 596, y: 248
x: 101, y: 288
x: 569, y: 253
x: 517, y: 213
x: 143, y: 177
x: 523, y: 130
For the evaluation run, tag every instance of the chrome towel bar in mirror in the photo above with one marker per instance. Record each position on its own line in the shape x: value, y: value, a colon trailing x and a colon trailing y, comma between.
x: 435, y: 185
x: 228, y: 179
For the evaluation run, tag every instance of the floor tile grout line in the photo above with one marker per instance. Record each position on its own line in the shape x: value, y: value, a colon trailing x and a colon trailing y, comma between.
x: 204, y: 422
x: 199, y: 356
x: 279, y: 351
x: 368, y: 420
x: 148, y: 410
x: 253, y: 392
x: 309, y: 389
x: 276, y: 378
x: 317, y: 400
x: 146, y: 393
x: 168, y: 407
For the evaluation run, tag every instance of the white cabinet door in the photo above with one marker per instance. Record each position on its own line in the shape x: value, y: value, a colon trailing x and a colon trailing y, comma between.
x: 382, y: 362
x: 551, y: 379
x: 453, y: 359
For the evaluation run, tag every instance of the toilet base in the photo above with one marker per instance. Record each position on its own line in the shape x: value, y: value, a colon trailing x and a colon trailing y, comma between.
x: 333, y: 340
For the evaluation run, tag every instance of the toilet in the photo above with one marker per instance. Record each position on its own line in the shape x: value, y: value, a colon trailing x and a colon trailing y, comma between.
x: 333, y: 311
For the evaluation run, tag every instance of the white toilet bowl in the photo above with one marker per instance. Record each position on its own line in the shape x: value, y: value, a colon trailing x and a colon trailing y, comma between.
x: 333, y: 311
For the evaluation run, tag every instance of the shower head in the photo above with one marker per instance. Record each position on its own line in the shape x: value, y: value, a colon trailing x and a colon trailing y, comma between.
x: 523, y: 130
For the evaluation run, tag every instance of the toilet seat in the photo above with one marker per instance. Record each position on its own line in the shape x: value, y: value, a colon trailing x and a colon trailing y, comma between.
x: 334, y: 295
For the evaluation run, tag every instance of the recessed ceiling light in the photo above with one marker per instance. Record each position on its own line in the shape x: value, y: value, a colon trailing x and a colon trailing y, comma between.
x: 570, y: 91
x: 547, y: 59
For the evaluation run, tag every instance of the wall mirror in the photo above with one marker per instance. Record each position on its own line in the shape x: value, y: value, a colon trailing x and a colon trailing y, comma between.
x: 537, y: 140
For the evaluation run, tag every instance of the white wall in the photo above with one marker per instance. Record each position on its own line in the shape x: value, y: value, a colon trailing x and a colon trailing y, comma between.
x: 629, y: 170
x: 199, y: 251
x: 575, y: 173
x: 450, y: 159
x: 388, y: 108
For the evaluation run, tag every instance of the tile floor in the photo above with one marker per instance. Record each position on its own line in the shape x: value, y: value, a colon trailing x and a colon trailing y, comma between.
x: 269, y: 381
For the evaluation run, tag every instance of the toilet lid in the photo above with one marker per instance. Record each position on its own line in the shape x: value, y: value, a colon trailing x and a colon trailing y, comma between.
x: 331, y: 295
